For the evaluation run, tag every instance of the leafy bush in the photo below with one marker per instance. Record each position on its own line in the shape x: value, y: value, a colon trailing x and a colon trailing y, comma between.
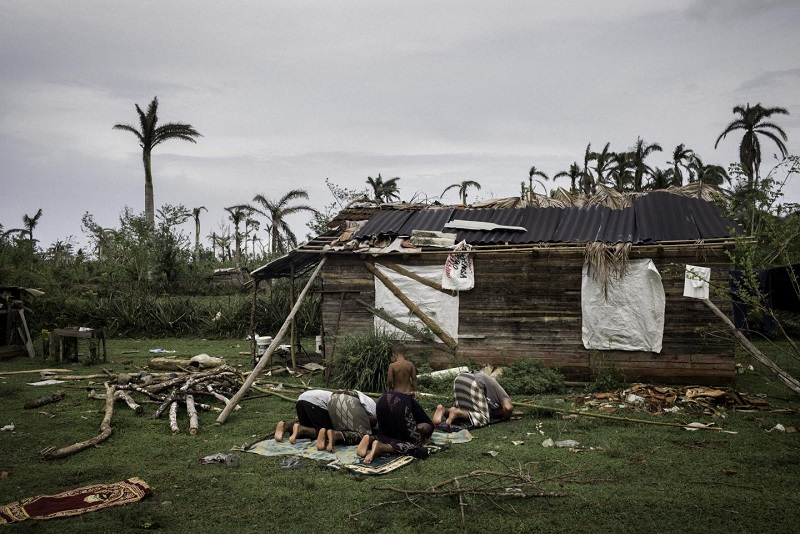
x: 607, y: 377
x: 363, y: 360
x: 527, y: 376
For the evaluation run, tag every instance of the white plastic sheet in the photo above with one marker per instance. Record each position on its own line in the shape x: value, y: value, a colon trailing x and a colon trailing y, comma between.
x: 696, y: 282
x: 630, y: 316
x: 440, y: 307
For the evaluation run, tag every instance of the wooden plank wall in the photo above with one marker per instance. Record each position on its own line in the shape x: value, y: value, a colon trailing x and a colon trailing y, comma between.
x: 528, y: 305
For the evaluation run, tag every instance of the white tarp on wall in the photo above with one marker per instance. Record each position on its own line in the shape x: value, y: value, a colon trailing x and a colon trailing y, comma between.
x: 630, y: 316
x: 440, y: 307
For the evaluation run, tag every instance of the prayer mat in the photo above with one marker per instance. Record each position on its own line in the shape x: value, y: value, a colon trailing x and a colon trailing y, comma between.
x: 307, y: 448
x: 382, y: 464
x: 75, y: 502
x: 441, y: 437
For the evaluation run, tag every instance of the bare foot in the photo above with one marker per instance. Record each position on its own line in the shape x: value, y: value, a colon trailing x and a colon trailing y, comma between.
x: 295, y: 429
x: 279, y: 431
x: 368, y: 458
x: 321, y: 439
x: 331, y: 440
x: 438, y: 414
x: 363, y: 446
x: 451, y: 416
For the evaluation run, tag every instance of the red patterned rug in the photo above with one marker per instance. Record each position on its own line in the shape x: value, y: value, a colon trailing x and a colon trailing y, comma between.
x: 75, y: 502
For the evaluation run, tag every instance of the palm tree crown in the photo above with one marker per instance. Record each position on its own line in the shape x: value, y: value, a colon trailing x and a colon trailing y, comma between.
x: 150, y: 135
x: 384, y: 191
x: 681, y: 157
x: 753, y: 121
x: 462, y: 189
x: 277, y: 211
x: 637, y: 156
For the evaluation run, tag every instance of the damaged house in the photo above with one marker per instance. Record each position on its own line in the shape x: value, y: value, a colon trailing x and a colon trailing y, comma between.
x: 581, y: 284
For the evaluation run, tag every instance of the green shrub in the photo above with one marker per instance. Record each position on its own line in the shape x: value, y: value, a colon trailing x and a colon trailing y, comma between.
x: 607, y: 377
x: 362, y: 361
x: 527, y: 376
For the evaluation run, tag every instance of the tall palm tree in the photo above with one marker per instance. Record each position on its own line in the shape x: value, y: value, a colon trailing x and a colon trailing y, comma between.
x: 535, y: 172
x: 384, y: 191
x: 660, y: 179
x: 603, y: 164
x: 708, y: 174
x: 237, y: 215
x: 196, y: 215
x: 621, y: 172
x: 637, y: 156
x: 574, y: 174
x: 588, y: 184
x: 150, y: 135
x: 462, y: 189
x: 753, y: 121
x: 30, y: 223
x: 681, y: 157
x: 277, y: 211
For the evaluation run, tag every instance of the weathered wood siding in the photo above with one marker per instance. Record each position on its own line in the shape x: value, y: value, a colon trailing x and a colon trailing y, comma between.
x: 528, y: 305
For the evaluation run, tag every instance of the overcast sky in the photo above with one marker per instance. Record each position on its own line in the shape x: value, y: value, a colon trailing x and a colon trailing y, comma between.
x: 289, y: 93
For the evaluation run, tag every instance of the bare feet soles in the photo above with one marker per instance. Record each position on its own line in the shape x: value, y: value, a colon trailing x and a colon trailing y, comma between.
x: 279, y: 431
x: 438, y: 415
x: 363, y: 446
x: 321, y: 439
x: 331, y: 439
x: 368, y: 458
x: 451, y: 417
x: 295, y: 429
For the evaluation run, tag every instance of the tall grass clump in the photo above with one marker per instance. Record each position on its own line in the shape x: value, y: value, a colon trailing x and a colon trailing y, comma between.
x: 607, y: 377
x: 363, y: 360
x: 527, y: 376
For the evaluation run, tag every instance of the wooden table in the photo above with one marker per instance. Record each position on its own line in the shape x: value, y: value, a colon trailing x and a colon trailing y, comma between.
x: 70, y: 337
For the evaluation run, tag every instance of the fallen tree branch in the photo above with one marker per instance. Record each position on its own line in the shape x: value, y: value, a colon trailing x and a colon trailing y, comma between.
x: 51, y: 453
x: 47, y: 399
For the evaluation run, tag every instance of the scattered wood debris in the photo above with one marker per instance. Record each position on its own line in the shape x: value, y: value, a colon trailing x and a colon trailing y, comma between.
x: 497, y: 488
x: 669, y: 399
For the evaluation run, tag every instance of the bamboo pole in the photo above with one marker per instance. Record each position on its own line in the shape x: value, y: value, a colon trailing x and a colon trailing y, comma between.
x: 274, y: 345
x: 790, y: 382
x: 430, y: 323
x: 293, y: 329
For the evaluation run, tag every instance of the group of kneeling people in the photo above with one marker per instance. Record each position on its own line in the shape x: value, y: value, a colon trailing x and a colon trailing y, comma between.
x: 396, y: 424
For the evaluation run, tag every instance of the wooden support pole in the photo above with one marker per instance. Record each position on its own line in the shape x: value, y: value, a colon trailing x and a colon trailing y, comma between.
x: 400, y: 326
x: 274, y: 345
x: 430, y: 323
x: 414, y: 276
x: 790, y: 381
x: 293, y: 333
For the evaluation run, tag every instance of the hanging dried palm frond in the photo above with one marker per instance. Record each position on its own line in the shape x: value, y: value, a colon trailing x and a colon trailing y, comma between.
x: 700, y: 190
x: 606, y: 262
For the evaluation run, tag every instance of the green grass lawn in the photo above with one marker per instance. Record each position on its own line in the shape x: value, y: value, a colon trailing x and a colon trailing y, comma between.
x: 645, y: 478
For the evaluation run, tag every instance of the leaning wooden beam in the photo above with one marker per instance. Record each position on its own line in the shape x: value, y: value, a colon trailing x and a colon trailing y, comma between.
x: 790, y: 381
x: 430, y: 323
x: 274, y: 345
x: 400, y: 326
x: 414, y: 276
x: 51, y: 453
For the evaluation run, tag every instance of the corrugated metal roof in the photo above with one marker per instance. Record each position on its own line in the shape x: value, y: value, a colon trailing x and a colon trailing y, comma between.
x: 431, y: 219
x: 662, y: 216
x: 654, y: 217
x: 384, y: 223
